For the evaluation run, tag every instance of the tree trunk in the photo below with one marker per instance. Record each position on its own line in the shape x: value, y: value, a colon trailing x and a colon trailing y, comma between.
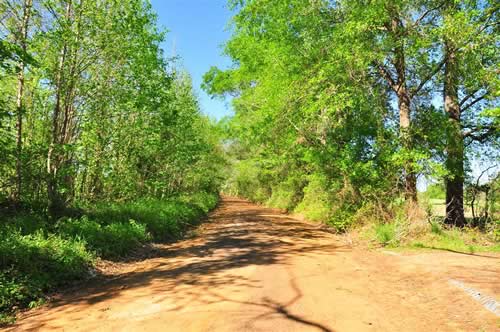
x: 23, y: 36
x: 486, y: 203
x: 54, y: 160
x: 404, y: 105
x: 455, y: 141
x: 404, y: 128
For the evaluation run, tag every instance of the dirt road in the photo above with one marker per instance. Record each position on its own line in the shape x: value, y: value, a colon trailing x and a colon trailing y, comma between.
x: 254, y: 269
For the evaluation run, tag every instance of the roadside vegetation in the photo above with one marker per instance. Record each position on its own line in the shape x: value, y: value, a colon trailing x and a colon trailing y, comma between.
x: 435, y: 236
x: 343, y: 107
x: 428, y: 230
x: 37, y: 256
x: 102, y: 144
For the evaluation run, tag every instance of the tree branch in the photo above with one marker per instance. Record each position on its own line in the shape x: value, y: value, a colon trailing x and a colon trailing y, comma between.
x: 424, y: 81
x: 482, y: 173
x: 469, y: 96
x: 384, y: 72
x: 422, y: 17
x: 475, y: 101
x: 481, y: 137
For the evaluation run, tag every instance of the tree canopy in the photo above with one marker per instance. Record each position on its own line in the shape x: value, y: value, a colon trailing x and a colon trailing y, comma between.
x: 340, y: 104
x: 91, y: 109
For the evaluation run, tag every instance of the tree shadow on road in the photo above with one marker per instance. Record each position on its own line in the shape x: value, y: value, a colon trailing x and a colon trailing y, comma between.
x: 189, y: 272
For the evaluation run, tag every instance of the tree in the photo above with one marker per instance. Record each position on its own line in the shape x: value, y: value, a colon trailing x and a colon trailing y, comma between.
x: 105, y: 116
x: 22, y: 41
x: 18, y: 24
x: 471, y: 60
x: 399, y: 36
x: 346, y: 94
x: 307, y: 108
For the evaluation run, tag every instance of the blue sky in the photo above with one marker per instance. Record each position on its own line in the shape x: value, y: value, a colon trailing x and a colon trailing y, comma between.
x: 197, y: 31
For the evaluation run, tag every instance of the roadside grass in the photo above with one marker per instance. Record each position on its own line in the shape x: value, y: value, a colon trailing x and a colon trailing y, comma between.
x: 459, y: 240
x: 36, y: 257
x: 33, y: 264
x: 108, y: 241
x: 386, y: 234
x: 426, y: 230
x: 393, y: 228
x: 430, y: 236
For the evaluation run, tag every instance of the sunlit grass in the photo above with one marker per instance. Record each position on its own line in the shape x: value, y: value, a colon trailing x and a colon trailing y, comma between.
x: 466, y: 241
x: 36, y: 257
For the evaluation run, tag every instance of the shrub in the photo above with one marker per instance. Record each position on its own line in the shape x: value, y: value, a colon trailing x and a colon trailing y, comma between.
x: 49, y: 256
x: 33, y: 264
x: 282, y: 198
x: 164, y: 219
x: 171, y: 220
x: 109, y: 241
x: 316, y: 204
x: 385, y: 234
x: 374, y: 212
x: 288, y: 193
x: 27, y: 222
x: 33, y: 261
x: 203, y: 200
x: 13, y: 292
x: 342, y: 219
x: 436, y: 228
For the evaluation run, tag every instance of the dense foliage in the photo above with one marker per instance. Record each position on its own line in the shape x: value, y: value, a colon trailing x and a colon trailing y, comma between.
x: 341, y: 105
x: 102, y: 143
x: 97, y: 113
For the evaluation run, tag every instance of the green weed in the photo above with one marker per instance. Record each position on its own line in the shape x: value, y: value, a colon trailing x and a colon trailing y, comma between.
x: 436, y: 228
x: 30, y: 265
x: 385, y: 234
x: 108, y: 241
x: 459, y: 240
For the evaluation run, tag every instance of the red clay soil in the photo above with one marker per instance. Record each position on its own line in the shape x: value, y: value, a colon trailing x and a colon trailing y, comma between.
x: 255, y: 269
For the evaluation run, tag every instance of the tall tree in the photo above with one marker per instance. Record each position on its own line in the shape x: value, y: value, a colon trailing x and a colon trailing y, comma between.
x: 22, y: 41
x: 61, y: 117
x: 470, y: 31
x: 455, y: 143
x: 400, y: 37
x: 305, y: 71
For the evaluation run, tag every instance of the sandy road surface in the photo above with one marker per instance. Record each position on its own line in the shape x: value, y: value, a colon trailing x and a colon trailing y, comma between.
x: 254, y: 269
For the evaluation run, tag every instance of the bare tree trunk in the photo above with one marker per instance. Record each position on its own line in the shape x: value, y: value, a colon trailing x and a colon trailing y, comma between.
x: 472, y: 202
x: 23, y: 36
x: 455, y: 141
x: 486, y: 203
